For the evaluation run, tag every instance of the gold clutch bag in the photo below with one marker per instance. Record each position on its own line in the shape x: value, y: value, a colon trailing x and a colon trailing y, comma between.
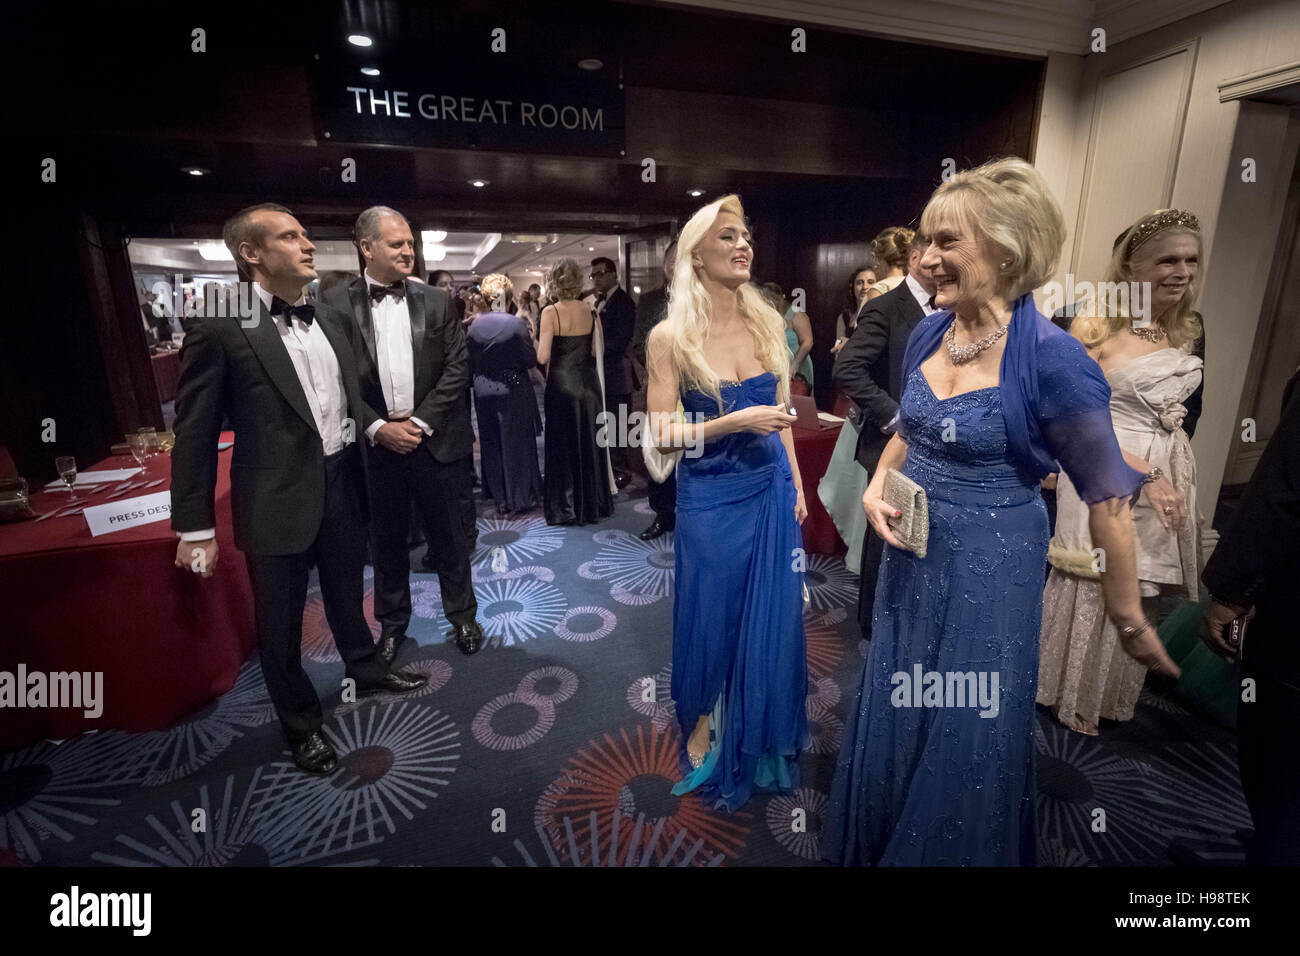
x: 912, y: 526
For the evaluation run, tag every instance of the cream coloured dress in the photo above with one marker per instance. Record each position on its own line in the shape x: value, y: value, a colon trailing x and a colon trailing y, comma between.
x: 1082, y: 668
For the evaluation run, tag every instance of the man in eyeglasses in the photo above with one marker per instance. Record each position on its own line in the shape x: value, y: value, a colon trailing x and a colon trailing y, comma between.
x: 617, y: 314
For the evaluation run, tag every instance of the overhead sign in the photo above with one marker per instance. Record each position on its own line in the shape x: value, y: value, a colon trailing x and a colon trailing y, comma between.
x: 570, y: 112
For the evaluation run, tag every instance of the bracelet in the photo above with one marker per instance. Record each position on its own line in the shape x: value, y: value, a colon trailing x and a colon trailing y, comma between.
x: 1127, y: 632
x: 1155, y: 474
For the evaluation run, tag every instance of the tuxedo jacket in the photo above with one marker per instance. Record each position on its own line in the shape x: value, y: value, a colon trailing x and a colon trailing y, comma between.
x: 869, y: 367
x: 1257, y: 560
x: 618, y: 322
x: 277, y: 472
x: 441, y: 364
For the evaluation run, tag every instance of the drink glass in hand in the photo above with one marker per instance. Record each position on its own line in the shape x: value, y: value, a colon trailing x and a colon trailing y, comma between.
x: 67, y: 468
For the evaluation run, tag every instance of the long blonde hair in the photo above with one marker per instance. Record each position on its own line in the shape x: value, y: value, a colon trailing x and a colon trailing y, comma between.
x: 690, y: 311
x: 1183, y: 325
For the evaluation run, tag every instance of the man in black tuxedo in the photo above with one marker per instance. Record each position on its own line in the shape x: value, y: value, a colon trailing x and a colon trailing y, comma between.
x: 286, y: 381
x: 1256, y: 565
x: 617, y: 314
x: 869, y: 368
x: 414, y: 368
x: 650, y: 311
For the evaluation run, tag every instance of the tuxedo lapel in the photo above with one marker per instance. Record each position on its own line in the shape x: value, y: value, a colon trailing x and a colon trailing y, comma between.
x: 417, y: 309
x: 360, y: 297
x: 264, y: 338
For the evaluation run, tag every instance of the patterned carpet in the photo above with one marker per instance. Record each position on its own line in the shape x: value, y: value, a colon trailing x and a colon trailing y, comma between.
x: 555, y: 746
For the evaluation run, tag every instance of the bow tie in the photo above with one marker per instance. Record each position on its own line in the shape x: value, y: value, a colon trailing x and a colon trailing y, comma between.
x: 397, y: 290
x: 304, y: 313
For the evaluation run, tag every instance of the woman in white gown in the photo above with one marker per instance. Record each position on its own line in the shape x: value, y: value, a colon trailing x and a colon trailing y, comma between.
x: 1083, y: 672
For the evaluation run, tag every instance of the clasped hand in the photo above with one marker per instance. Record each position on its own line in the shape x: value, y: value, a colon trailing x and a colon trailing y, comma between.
x: 401, y: 438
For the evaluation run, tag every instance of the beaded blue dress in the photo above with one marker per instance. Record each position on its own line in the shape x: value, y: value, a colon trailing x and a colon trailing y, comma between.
x: 738, y: 639
x: 937, y: 762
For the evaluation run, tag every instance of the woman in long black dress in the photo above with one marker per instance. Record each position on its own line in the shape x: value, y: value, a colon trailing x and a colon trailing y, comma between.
x: 501, y: 355
x: 578, y: 481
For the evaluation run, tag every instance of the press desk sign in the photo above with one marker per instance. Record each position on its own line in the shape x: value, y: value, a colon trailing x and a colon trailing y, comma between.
x: 512, y: 109
x: 118, y: 515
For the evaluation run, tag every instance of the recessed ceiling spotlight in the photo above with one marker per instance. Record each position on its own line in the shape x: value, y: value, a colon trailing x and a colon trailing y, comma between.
x: 196, y: 171
x: 478, y: 183
x: 369, y: 71
x: 360, y: 39
x: 590, y: 63
x: 591, y: 248
x: 695, y: 192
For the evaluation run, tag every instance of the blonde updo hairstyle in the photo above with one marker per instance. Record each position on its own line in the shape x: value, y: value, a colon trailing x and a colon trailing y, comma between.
x: 498, y: 287
x: 1182, y: 325
x: 1006, y: 202
x: 690, y: 310
x: 564, y: 280
x: 890, y: 250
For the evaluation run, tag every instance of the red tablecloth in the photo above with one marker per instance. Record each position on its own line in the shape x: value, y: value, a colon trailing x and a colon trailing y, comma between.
x: 166, y: 640
x: 813, y: 449
x: 166, y: 374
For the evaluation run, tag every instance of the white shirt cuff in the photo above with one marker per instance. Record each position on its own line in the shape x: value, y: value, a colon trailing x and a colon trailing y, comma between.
x: 197, y: 535
x: 423, y: 427
x: 890, y: 426
x: 374, y: 427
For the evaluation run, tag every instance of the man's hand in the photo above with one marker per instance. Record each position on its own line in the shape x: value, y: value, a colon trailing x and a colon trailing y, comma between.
x: 198, y: 556
x: 401, y: 438
x: 1214, y: 626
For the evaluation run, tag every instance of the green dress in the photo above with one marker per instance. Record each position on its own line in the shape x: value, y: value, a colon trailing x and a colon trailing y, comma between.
x: 805, y: 370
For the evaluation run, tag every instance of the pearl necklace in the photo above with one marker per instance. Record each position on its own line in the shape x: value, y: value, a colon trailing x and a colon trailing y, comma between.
x: 961, y: 354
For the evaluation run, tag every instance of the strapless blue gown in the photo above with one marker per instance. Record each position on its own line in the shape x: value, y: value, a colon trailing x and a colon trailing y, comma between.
x: 738, y: 639
x: 944, y: 785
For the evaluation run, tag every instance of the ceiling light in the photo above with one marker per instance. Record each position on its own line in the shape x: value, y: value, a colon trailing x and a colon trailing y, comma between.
x: 695, y: 192
x: 478, y: 183
x: 434, y: 252
x: 591, y: 248
x: 590, y: 63
x: 433, y: 235
x: 196, y: 171
x: 360, y: 39
x: 370, y: 71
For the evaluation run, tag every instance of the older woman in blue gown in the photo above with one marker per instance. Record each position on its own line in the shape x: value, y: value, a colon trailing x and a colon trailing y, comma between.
x: 937, y: 763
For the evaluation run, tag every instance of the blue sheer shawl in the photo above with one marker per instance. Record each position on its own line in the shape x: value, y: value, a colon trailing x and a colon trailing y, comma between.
x: 1055, y: 401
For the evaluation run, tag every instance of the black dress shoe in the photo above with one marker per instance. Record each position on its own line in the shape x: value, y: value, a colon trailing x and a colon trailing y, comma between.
x: 657, y: 529
x: 469, y: 637
x: 314, y: 754
x: 621, y: 479
x: 394, y: 682
x: 387, y: 649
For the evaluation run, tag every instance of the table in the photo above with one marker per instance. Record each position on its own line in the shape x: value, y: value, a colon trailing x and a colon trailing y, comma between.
x: 813, y: 449
x: 166, y: 641
x: 166, y: 374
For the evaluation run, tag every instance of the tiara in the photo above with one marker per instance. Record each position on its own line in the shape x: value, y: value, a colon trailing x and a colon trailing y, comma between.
x: 1161, y: 221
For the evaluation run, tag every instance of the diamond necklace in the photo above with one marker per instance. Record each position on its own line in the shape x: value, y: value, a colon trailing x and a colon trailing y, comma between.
x: 961, y: 354
x: 1153, y: 333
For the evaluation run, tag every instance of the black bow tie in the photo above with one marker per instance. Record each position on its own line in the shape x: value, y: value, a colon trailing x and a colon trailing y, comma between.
x: 282, y: 309
x: 396, y: 289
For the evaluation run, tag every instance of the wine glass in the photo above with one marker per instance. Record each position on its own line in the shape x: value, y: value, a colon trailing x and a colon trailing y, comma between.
x: 66, y: 466
x: 139, y: 445
x: 150, y: 435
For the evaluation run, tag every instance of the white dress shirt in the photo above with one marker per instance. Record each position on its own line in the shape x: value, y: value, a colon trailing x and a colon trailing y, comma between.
x: 318, y: 372
x: 923, y: 300
x: 395, y: 355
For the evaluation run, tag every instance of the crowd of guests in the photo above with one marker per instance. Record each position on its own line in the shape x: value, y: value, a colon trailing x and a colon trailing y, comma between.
x: 1052, y: 524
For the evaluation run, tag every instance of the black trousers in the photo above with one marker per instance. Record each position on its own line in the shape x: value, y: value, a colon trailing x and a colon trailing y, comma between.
x: 663, y: 499
x: 620, y: 456
x: 280, y: 593
x: 873, y: 552
x: 443, y: 495
x: 1269, y: 760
